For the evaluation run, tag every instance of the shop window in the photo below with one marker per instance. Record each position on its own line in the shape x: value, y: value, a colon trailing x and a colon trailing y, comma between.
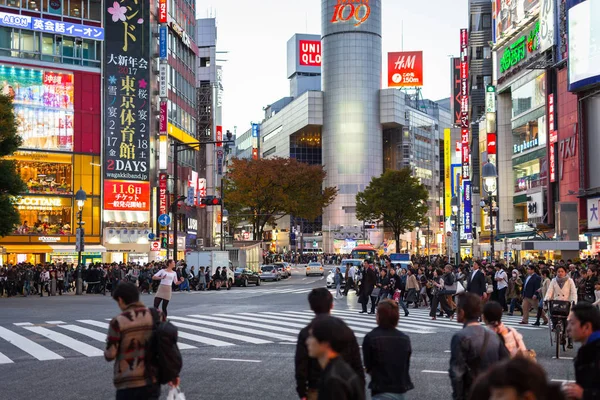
x: 34, y: 5
x: 29, y: 42
x: 95, y: 7
x: 47, y: 177
x: 44, y: 215
x: 14, y: 3
x: 5, y: 41
x: 75, y: 8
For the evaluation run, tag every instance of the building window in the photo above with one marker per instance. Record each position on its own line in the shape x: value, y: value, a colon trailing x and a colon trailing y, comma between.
x: 478, y: 52
x: 487, y: 21
x: 205, y: 61
x: 487, y: 52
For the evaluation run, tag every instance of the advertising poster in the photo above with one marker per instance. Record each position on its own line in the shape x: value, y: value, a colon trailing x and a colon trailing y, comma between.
x: 509, y: 13
x: 405, y: 69
x: 468, y: 216
x: 127, y: 103
x: 456, y: 94
x: 310, y: 53
x: 464, y: 108
x: 43, y: 103
x: 447, y: 173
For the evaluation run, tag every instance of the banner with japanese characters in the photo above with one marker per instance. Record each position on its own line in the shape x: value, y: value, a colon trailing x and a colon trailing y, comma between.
x: 127, y: 104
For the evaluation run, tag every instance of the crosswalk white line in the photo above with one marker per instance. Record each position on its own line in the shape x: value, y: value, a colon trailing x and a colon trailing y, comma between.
x: 94, y: 323
x: 232, y: 319
x: 267, y: 319
x: 203, y: 339
x: 404, y: 321
x: 80, y: 347
x: 5, y: 360
x: 234, y: 328
x: 85, y: 331
x: 28, y: 346
x: 403, y: 326
x: 220, y: 333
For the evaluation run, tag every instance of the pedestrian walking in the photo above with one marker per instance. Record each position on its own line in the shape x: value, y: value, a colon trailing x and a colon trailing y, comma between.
x: 542, y: 295
x: 584, y: 327
x: 337, y: 281
x: 501, y: 280
x: 369, y: 279
x: 307, y: 370
x: 513, y: 294
x: 387, y: 352
x: 326, y: 342
x: 476, y: 281
x: 513, y: 340
x: 350, y: 273
x: 166, y: 277
x: 473, y: 349
x: 126, y: 344
x: 530, y: 288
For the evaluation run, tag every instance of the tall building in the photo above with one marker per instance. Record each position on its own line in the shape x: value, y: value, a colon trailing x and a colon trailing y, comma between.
x: 50, y: 61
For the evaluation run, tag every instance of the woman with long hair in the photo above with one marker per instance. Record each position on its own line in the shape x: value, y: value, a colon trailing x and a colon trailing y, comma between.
x: 562, y: 288
x: 166, y: 277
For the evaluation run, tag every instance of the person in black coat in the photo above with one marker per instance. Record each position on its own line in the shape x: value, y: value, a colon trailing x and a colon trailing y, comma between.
x: 368, y: 282
x: 530, y: 287
x: 584, y: 326
x: 476, y: 280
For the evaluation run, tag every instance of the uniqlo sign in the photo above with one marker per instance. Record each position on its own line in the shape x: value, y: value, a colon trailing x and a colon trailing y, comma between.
x: 162, y: 11
x: 310, y: 53
x: 162, y: 193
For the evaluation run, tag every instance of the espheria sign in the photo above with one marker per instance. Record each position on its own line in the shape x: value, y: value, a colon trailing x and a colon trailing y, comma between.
x: 517, y: 51
x: 356, y: 10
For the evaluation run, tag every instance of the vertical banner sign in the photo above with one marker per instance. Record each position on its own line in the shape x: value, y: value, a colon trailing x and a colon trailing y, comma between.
x: 219, y: 136
x: 163, y: 80
x: 553, y: 138
x: 255, y: 136
x: 127, y: 103
x: 162, y: 37
x: 447, y: 173
x: 464, y: 106
x: 220, y: 157
x: 468, y: 216
x: 162, y: 193
x: 162, y: 11
x: 163, y: 117
x: 456, y: 93
x: 201, y: 190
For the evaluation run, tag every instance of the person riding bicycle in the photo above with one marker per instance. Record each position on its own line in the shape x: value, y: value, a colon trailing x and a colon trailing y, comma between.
x: 562, y: 288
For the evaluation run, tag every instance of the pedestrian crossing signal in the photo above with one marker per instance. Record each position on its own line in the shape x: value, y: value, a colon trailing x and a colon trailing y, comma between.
x: 163, y: 242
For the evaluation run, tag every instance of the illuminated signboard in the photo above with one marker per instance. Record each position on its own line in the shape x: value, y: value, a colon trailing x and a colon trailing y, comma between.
x: 43, y: 103
x: 162, y: 11
x: 510, y: 14
x: 310, y: 53
x: 162, y: 193
x: 357, y: 11
x: 467, y: 217
x: 127, y: 98
x: 464, y: 108
x: 447, y: 173
x: 51, y: 26
x: 405, y: 69
x: 516, y: 52
x: 456, y: 96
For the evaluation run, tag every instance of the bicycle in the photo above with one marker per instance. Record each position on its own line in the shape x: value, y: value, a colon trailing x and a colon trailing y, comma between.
x: 559, y: 311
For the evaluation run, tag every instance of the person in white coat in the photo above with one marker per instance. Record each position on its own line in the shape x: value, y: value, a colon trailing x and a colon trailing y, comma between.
x: 562, y: 288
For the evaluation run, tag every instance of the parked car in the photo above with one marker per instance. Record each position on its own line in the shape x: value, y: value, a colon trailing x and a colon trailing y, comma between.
x: 287, y: 266
x: 314, y: 268
x: 332, y: 273
x: 269, y: 272
x: 245, y: 276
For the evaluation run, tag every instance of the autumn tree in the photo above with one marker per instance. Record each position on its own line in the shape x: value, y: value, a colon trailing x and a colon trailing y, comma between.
x: 397, y: 199
x: 266, y: 190
x: 11, y: 184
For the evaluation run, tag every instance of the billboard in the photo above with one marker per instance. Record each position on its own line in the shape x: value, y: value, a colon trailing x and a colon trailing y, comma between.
x: 509, y: 14
x: 162, y: 11
x: 43, y: 101
x: 464, y: 102
x: 456, y: 96
x: 468, y: 214
x: 304, y: 54
x: 447, y: 173
x: 584, y: 53
x: 127, y: 101
x: 405, y: 69
x: 355, y: 12
x: 309, y: 53
x: 51, y: 26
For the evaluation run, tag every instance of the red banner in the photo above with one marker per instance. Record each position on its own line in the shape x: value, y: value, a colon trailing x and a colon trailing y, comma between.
x: 255, y: 154
x: 163, y: 117
x: 491, y: 144
x: 162, y: 11
x: 552, y: 163
x: 310, y: 53
x: 219, y: 136
x: 405, y: 69
x: 126, y: 195
x: 162, y: 193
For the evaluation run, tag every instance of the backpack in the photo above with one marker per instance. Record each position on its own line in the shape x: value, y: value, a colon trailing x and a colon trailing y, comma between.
x: 165, y: 360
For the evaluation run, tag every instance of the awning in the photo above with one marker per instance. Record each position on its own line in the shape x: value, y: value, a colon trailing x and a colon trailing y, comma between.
x: 26, y: 249
x: 517, y: 235
x: 88, y: 248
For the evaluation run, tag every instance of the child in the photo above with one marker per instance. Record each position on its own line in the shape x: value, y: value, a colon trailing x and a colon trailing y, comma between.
x: 597, y: 293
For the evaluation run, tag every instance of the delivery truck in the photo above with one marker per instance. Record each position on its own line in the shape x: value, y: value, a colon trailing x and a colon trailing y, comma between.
x: 211, y: 259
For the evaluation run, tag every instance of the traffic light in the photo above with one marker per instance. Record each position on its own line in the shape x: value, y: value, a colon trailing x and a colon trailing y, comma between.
x: 163, y: 241
x: 210, y: 201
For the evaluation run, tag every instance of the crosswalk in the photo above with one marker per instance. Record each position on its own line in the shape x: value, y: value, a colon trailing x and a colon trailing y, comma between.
x: 58, y: 340
x: 255, y: 292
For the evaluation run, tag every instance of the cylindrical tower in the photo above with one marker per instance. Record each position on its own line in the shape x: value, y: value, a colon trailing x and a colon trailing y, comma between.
x: 351, y: 136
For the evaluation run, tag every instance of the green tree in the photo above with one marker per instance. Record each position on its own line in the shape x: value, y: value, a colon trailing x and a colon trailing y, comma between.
x: 266, y: 190
x: 11, y: 184
x: 397, y: 199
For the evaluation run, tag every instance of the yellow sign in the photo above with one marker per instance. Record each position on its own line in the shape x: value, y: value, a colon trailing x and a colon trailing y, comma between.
x: 447, y: 173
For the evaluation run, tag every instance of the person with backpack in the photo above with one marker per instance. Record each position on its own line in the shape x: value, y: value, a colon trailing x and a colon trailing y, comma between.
x: 513, y: 340
x: 132, y: 342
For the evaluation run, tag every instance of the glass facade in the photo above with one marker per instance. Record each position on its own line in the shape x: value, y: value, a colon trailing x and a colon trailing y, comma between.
x: 84, y: 10
x: 305, y: 146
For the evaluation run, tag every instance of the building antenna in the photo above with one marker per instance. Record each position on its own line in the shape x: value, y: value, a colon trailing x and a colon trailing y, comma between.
x: 306, y: 22
x: 402, y: 33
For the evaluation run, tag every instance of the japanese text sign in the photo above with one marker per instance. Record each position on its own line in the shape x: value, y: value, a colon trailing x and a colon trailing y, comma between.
x: 51, y: 26
x: 126, y: 196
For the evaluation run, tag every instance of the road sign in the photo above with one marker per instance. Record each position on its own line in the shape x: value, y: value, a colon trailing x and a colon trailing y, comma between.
x: 151, y: 236
x: 164, y: 219
x: 155, y: 246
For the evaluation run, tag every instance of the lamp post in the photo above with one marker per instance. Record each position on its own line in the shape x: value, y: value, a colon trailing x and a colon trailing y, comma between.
x: 80, y: 198
x: 456, y: 211
x: 224, y: 218
x: 489, y: 176
x: 418, y: 227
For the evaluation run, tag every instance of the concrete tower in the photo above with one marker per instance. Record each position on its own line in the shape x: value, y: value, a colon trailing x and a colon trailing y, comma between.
x: 352, y: 134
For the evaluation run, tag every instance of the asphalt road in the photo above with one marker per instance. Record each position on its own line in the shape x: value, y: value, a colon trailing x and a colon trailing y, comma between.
x: 239, y: 344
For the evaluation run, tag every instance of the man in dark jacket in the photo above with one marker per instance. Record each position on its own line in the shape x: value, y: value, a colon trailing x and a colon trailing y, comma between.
x: 476, y: 280
x: 472, y: 349
x: 327, y: 339
x: 584, y: 326
x: 532, y: 283
x: 387, y: 352
x: 369, y: 280
x: 308, y: 371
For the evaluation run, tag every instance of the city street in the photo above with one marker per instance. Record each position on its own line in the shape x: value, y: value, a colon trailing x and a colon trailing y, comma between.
x: 236, y: 344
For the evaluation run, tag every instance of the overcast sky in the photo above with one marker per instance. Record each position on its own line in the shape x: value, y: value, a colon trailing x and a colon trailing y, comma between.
x: 255, y: 34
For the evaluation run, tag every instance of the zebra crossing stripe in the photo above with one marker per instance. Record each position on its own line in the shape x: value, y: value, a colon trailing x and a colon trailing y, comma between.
x: 5, y: 360
x: 220, y: 333
x: 80, y: 347
x: 235, y: 328
x: 94, y: 323
x: 405, y: 327
x: 28, y: 346
x: 85, y: 331
x: 234, y: 320
x: 202, y: 339
x: 270, y: 320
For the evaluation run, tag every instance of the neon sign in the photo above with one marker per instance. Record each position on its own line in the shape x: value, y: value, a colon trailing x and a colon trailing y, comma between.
x: 517, y: 52
x: 345, y: 10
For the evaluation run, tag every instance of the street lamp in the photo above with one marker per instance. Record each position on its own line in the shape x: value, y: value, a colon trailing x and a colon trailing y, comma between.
x: 80, y: 198
x: 455, y: 203
x: 489, y: 176
x: 224, y: 218
x: 418, y: 228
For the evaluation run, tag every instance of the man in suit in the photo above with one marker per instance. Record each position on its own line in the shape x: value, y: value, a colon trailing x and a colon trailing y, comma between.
x: 476, y: 280
x: 530, y: 287
x: 369, y: 280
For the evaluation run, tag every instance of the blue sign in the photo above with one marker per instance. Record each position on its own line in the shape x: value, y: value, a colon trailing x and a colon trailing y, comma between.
x: 151, y: 236
x: 255, y: 130
x: 163, y: 42
x: 164, y: 219
x: 468, y: 216
x: 51, y: 26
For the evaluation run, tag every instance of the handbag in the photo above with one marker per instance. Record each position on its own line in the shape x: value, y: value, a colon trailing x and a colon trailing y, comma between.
x: 489, y: 289
x: 175, y: 394
x: 459, y: 288
x: 376, y: 291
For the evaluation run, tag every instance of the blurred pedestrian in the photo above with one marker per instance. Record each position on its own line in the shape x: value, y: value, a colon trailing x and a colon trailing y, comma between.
x: 337, y: 281
x: 513, y: 340
x: 166, y: 277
